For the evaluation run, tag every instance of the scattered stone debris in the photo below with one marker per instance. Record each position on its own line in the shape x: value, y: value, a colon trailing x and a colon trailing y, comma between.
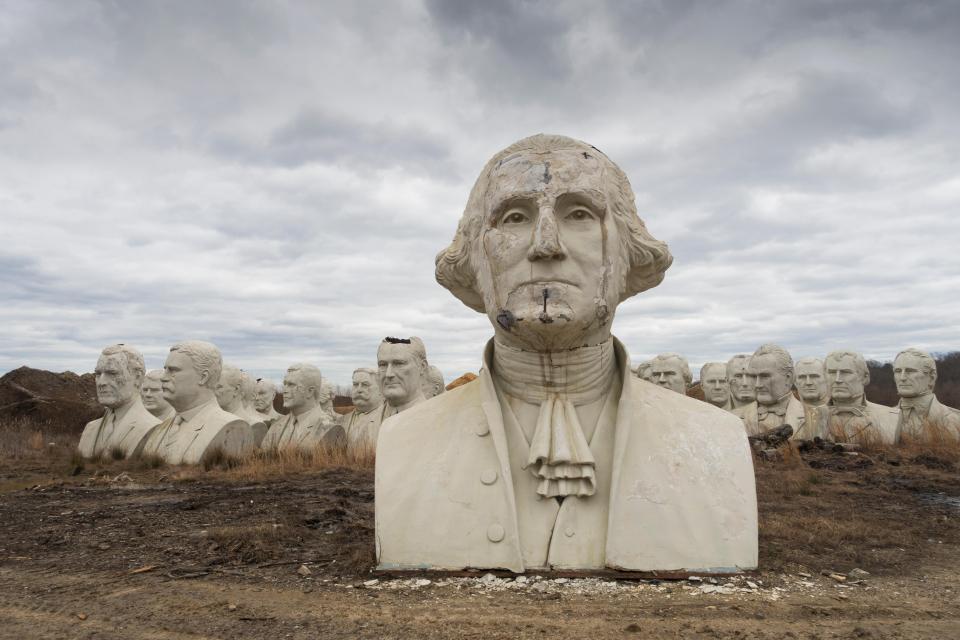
x: 304, y: 570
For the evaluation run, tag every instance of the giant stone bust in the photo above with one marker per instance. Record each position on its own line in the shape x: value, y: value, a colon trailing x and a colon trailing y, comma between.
x: 716, y: 387
x: 402, y: 368
x: 923, y: 419
x: 556, y: 457
x: 853, y: 418
x: 126, y: 423
x: 770, y: 368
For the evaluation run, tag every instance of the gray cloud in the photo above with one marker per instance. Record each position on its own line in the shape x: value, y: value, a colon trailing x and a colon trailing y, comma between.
x: 278, y: 178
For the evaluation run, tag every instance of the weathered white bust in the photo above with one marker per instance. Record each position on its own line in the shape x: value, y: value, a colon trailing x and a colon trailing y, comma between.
x: 810, y: 380
x: 229, y: 392
x: 713, y: 381
x: 126, y: 423
x: 200, y: 426
x: 771, y: 370
x: 363, y: 423
x: 671, y: 371
x: 644, y: 371
x: 742, y: 392
x: 402, y: 366
x: 433, y: 384
x: 263, y: 401
x: 852, y: 417
x: 922, y: 418
x: 327, y: 394
x: 151, y: 392
x: 556, y: 456
x: 307, y: 425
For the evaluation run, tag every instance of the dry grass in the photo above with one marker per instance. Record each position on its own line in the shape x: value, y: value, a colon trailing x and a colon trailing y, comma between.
x: 262, y: 464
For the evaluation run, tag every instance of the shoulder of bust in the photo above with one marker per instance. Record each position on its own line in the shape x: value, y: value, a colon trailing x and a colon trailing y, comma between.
x: 435, y: 413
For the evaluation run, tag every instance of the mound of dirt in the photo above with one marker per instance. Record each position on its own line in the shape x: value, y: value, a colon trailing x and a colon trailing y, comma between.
x: 62, y: 401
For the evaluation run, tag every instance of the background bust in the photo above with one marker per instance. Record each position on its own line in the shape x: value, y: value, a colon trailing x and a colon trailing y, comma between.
x: 741, y: 384
x: 200, y: 427
x: 671, y: 371
x: 548, y: 245
x: 151, y: 392
x: 402, y: 368
x: 852, y: 417
x: 713, y: 381
x: 770, y: 368
x: 126, y: 423
x: 922, y: 418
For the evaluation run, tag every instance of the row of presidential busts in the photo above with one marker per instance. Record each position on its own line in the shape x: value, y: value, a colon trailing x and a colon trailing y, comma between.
x: 197, y: 403
x: 832, y: 406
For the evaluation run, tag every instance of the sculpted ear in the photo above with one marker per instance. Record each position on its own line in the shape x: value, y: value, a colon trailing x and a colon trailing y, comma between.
x: 455, y: 273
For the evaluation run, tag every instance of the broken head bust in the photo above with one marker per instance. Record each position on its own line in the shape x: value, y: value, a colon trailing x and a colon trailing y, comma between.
x: 556, y: 457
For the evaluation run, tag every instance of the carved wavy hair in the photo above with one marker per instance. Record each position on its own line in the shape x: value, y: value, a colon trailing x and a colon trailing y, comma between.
x: 858, y: 362
x: 708, y: 365
x: 684, y: 365
x: 205, y: 358
x: 927, y: 362
x: 646, y: 257
x: 781, y: 357
x: 310, y: 376
x: 132, y: 361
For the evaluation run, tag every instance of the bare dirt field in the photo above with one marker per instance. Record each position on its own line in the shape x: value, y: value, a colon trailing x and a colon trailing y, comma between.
x: 117, y: 550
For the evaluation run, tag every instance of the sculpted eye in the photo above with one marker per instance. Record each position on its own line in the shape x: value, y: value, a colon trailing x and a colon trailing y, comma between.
x: 513, y: 216
x: 580, y: 214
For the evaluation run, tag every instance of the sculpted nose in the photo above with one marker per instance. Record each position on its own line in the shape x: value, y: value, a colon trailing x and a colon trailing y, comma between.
x: 546, y: 239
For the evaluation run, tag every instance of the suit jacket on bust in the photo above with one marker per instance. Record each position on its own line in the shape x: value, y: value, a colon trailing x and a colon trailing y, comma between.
x: 202, y: 429
x: 129, y: 432
x: 305, y: 431
x: 681, y: 497
x: 942, y: 424
x: 749, y: 413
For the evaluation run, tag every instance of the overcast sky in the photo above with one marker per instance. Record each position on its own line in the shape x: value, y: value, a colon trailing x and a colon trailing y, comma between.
x: 277, y: 177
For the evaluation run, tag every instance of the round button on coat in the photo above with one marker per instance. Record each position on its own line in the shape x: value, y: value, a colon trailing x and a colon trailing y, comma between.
x: 488, y: 477
x: 481, y: 429
x: 495, y: 533
x: 569, y: 532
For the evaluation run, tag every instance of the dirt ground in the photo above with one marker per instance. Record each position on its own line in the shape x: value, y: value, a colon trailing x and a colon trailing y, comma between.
x: 119, y: 551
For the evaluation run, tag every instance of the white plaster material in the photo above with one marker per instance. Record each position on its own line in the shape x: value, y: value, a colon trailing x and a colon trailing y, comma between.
x: 645, y: 371
x: 126, y: 423
x: 923, y: 419
x: 151, y: 392
x: 327, y: 393
x: 200, y: 426
x: 852, y: 417
x: 230, y: 395
x: 810, y: 380
x: 402, y: 368
x: 307, y: 425
x: 716, y: 388
x: 548, y: 246
x: 771, y: 370
x: 671, y: 371
x: 263, y: 401
x: 742, y: 391
x: 362, y: 425
x: 433, y: 384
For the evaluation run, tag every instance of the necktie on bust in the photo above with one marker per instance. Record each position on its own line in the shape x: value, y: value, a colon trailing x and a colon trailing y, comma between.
x: 558, y: 381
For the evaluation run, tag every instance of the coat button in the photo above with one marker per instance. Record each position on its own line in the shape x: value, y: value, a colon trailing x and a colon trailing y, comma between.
x: 495, y: 533
x: 488, y: 477
x: 481, y: 429
x: 569, y: 532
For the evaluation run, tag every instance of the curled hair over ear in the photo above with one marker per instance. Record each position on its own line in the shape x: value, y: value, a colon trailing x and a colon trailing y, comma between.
x: 644, y: 257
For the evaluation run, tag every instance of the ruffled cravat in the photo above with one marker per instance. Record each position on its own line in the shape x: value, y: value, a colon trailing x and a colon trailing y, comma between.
x: 559, y: 381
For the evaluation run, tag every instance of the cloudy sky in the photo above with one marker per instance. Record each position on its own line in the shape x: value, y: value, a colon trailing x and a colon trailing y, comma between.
x: 277, y: 177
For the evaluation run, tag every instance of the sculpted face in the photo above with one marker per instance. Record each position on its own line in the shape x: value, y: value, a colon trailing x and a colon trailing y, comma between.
x: 911, y: 377
x: 770, y: 382
x: 228, y: 390
x: 714, y: 384
x: 151, y: 392
x: 366, y: 392
x: 400, y: 373
x: 846, y: 384
x: 811, y: 382
x: 297, y: 394
x: 115, y: 385
x: 668, y: 373
x: 550, y: 245
x: 182, y: 384
x: 741, y: 383
x: 263, y: 400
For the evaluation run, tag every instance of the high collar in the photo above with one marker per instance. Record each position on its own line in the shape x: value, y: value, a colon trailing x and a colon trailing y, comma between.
x: 921, y: 403
x: 580, y: 375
